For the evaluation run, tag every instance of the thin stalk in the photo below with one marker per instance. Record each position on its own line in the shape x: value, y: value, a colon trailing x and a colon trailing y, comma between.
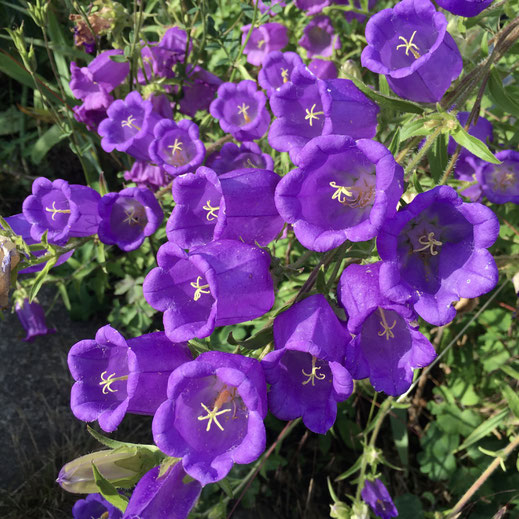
x: 421, y: 152
x: 244, y: 44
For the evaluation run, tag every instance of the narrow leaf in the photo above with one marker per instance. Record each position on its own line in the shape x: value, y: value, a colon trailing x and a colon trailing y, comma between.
x: 47, y: 141
x: 482, y: 430
x: 438, y: 158
x: 474, y: 145
x: 108, y: 491
x: 511, y: 398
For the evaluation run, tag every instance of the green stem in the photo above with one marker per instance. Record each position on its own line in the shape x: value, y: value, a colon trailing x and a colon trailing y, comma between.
x: 244, y: 44
x: 421, y: 152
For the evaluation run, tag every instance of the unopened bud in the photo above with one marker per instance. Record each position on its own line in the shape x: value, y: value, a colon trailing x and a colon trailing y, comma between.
x: 340, y: 510
x: 360, y: 511
x: 350, y: 68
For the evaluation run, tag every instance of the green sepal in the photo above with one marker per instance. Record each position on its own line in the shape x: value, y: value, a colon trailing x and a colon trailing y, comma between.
x: 108, y: 491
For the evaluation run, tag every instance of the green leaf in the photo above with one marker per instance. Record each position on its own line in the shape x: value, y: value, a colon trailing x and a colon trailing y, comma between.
x: 226, y: 487
x: 482, y: 430
x: 438, y: 158
x: 394, y: 145
x: 354, y: 468
x: 414, y: 128
x: 260, y: 340
x: 409, y: 507
x: 511, y: 372
x: 473, y: 145
x: 511, y: 398
x: 108, y: 491
x: 41, y: 277
x: 47, y: 141
x: 499, y: 96
x: 398, y: 420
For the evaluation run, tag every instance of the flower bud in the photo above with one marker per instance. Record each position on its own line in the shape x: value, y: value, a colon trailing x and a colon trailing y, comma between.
x: 340, y: 510
x: 9, y: 258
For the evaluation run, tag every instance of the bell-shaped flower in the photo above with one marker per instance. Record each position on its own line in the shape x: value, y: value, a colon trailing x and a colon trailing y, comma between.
x: 276, y: 69
x: 146, y: 175
x: 410, y: 45
x: 224, y: 282
x: 32, y: 317
x: 376, y: 495
x: 9, y: 258
x: 343, y: 190
x: 62, y: 210
x: 238, y: 205
x: 352, y: 15
x: 319, y: 37
x: 93, y: 110
x: 467, y: 8
x: 94, y: 506
x: 213, y: 416
x: 177, y: 147
x: 323, y: 69
x: 263, y: 39
x: 128, y: 217
x: 171, y: 50
x: 240, y: 110
x: 114, y: 376
x: 129, y: 126
x: 387, y: 345
x: 306, y: 371
x: 163, y: 495
x: 434, y: 252
x: 500, y: 182
x: 199, y: 89
x: 232, y: 156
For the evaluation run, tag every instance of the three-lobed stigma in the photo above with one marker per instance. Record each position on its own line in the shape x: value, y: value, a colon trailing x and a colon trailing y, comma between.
x: 242, y: 110
x: 311, y: 115
x: 211, y: 211
x: 107, y: 382
x: 313, y: 375
x: 200, y: 289
x: 387, y: 330
x: 127, y: 123
x: 429, y: 242
x: 409, y: 46
x: 55, y: 211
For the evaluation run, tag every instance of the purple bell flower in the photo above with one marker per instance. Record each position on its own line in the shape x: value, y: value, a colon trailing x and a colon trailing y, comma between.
x: 306, y: 371
x: 435, y: 252
x: 238, y: 205
x: 342, y: 190
x: 410, y: 45
x: 263, y: 39
x: 129, y: 126
x: 467, y: 8
x: 214, y: 415
x: 323, y: 69
x: 170, y: 51
x: 351, y: 15
x: 165, y: 496
x: 32, y: 317
x: 387, y: 345
x: 276, y: 70
x: 224, y: 282
x: 199, y: 90
x: 93, y: 110
x: 95, y: 506
x: 500, y: 183
x: 102, y: 74
x: 114, y: 376
x: 177, y: 147
x: 232, y: 156
x: 146, y: 175
x: 312, y: 6
x: 128, y: 217
x: 375, y: 494
x: 61, y: 209
x: 240, y: 110
x: 319, y: 37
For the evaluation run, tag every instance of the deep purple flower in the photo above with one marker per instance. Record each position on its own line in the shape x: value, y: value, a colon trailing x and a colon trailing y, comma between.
x: 146, y: 175
x: 276, y: 69
x: 95, y: 506
x: 164, y: 496
x: 343, y: 190
x: 114, y: 376
x: 306, y: 371
x: 238, y: 205
x: 129, y: 126
x: 199, y: 89
x: 387, y: 345
x: 177, y: 147
x: 410, y: 45
x: 232, y: 156
x: 375, y: 494
x: 323, y: 69
x: 352, y: 15
x: 263, y: 39
x: 500, y: 183
x: 312, y: 6
x: 240, y: 110
x: 170, y: 51
x: 435, y: 252
x: 61, y: 209
x: 224, y: 282
x: 93, y: 110
x: 32, y: 317
x: 102, y: 74
x: 467, y: 8
x: 319, y: 37
x: 161, y: 105
x: 128, y: 217
x: 214, y: 415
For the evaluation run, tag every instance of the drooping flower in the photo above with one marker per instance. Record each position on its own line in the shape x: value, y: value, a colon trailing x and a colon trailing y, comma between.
x: 342, y: 190
x: 240, y: 110
x: 319, y: 37
x: 238, y: 205
x: 95, y: 506
x: 467, y: 8
x: 62, y: 210
x: 263, y: 39
x: 376, y: 495
x: 32, y: 317
x: 312, y: 6
x: 129, y: 126
x: 276, y: 70
x: 93, y: 109
x: 232, y: 156
x: 323, y: 69
x: 128, y: 217
x: 177, y: 147
x: 214, y: 415
x: 199, y: 89
x: 146, y: 175
x: 224, y: 282
x: 171, y: 50
x: 410, y: 45
x: 500, y: 183
x: 387, y: 345
x: 434, y: 252
x: 306, y: 371
x: 114, y: 376
x: 163, y: 495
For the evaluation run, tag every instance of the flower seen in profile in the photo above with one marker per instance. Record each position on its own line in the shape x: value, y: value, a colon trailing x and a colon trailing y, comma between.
x: 32, y: 317
x: 376, y: 495
x: 467, y: 8
x: 263, y: 39
x: 96, y: 506
x: 232, y: 156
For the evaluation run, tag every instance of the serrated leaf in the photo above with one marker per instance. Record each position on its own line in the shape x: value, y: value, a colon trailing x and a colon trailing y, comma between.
x: 474, y: 145
x: 108, y: 491
x: 482, y: 430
